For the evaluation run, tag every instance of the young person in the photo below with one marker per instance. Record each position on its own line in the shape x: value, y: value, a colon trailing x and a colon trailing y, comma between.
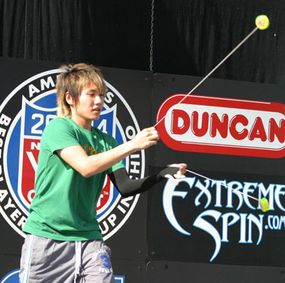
x: 63, y: 241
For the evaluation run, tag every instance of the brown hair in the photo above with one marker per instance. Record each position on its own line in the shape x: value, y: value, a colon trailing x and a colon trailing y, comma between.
x: 73, y: 79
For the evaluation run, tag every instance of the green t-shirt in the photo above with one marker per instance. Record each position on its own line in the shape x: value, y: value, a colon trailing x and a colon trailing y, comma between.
x: 64, y: 206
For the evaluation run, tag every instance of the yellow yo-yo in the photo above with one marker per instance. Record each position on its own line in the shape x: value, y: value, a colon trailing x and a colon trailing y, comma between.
x: 264, y: 204
x: 262, y: 22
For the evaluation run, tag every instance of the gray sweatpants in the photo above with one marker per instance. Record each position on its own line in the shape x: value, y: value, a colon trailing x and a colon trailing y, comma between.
x: 48, y: 261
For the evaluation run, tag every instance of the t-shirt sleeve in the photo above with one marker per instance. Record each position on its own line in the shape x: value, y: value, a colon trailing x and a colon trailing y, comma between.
x: 59, y: 134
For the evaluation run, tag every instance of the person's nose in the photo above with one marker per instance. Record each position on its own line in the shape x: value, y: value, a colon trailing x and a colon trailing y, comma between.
x: 98, y: 100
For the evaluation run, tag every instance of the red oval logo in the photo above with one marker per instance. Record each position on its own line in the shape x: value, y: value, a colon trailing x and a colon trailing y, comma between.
x: 222, y: 126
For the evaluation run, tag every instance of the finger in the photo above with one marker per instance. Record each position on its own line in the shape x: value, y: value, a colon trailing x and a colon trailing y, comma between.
x: 169, y: 176
x: 182, y: 166
x: 181, y: 170
x: 150, y: 129
x: 154, y: 135
x: 179, y: 176
x: 149, y: 132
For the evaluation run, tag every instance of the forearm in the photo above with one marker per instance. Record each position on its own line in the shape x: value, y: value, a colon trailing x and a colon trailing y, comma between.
x: 100, y: 162
x: 128, y: 187
x: 91, y: 165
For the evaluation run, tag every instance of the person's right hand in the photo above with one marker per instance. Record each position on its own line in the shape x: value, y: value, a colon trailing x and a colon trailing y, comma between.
x: 145, y: 138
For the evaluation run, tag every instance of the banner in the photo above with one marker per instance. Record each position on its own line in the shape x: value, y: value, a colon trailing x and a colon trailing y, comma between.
x: 229, y: 133
x: 218, y: 219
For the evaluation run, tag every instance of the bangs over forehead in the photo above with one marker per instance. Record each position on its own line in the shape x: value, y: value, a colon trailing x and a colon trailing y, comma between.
x: 84, y: 81
x: 80, y: 76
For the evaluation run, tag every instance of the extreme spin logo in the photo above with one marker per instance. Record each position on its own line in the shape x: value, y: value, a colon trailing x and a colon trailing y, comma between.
x: 24, y: 114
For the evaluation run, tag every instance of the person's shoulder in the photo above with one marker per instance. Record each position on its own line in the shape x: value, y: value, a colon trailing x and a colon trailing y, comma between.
x: 58, y: 123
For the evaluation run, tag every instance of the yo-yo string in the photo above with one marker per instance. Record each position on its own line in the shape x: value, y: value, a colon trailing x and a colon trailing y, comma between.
x: 213, y: 70
x: 207, y: 178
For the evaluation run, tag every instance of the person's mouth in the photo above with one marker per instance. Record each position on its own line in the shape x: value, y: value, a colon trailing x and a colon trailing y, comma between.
x: 96, y: 109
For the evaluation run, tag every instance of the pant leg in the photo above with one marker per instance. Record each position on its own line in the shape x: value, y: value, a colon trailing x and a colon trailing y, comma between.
x: 47, y: 261
x: 96, y: 263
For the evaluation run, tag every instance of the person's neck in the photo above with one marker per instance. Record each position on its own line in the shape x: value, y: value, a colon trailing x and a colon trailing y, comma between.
x: 82, y: 123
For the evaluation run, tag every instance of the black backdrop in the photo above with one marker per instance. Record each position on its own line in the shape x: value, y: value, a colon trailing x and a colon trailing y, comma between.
x: 182, y: 37
x: 147, y: 248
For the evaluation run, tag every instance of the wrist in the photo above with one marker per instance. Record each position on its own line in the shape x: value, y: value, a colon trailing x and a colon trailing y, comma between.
x: 132, y: 146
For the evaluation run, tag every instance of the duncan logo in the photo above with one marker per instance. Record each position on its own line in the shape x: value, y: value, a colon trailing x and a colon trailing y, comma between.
x: 23, y: 116
x: 223, y: 126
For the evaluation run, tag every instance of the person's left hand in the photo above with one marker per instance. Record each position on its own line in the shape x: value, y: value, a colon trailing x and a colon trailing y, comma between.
x: 181, y: 171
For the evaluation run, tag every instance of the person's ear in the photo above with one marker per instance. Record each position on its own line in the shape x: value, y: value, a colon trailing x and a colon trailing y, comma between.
x: 68, y: 98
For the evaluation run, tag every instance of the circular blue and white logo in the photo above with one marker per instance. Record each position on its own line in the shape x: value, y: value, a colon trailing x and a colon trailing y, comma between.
x: 11, y: 277
x: 23, y: 116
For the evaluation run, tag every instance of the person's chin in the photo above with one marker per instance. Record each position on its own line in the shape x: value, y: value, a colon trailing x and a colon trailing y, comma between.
x: 96, y: 116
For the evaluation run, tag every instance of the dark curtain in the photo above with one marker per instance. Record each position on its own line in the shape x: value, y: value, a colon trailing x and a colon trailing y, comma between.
x: 107, y: 33
x: 198, y: 34
x: 189, y: 36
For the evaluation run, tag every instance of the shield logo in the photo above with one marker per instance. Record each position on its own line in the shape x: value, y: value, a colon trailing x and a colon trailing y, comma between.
x: 34, y: 119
